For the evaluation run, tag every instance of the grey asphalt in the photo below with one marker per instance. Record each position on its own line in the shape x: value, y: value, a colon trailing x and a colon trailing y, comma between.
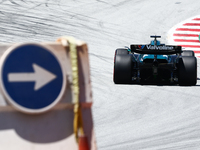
x: 139, y: 117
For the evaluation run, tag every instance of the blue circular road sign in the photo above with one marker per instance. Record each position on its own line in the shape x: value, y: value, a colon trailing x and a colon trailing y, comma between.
x: 32, y: 78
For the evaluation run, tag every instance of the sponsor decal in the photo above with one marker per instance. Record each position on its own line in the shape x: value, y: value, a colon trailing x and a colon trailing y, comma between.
x: 159, y: 47
x: 141, y: 46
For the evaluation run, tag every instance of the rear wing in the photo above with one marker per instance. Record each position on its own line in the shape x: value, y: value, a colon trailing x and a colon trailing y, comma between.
x: 156, y: 49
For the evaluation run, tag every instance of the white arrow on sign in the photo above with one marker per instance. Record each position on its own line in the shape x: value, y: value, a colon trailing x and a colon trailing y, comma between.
x: 40, y: 76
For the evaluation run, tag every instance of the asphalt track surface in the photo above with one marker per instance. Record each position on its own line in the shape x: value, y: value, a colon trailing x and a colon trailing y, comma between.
x: 146, y: 117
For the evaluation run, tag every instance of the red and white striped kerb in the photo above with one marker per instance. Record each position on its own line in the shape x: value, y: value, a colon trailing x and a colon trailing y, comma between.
x: 186, y: 34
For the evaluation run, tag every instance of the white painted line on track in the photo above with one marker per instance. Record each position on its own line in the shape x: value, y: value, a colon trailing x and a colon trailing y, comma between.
x: 186, y: 38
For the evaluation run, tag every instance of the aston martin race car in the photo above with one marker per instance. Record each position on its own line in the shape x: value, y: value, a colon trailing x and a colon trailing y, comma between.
x: 155, y: 63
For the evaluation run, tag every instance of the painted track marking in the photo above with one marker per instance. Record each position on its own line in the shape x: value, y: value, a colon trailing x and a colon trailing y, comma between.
x: 186, y: 34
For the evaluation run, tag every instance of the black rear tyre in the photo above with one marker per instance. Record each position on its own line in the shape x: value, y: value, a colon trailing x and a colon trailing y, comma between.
x: 188, y: 53
x: 122, y: 69
x: 121, y: 51
x: 187, y: 69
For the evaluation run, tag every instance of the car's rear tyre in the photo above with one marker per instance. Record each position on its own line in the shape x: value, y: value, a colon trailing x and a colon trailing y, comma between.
x: 188, y: 53
x: 122, y: 69
x: 187, y: 70
x: 121, y: 51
